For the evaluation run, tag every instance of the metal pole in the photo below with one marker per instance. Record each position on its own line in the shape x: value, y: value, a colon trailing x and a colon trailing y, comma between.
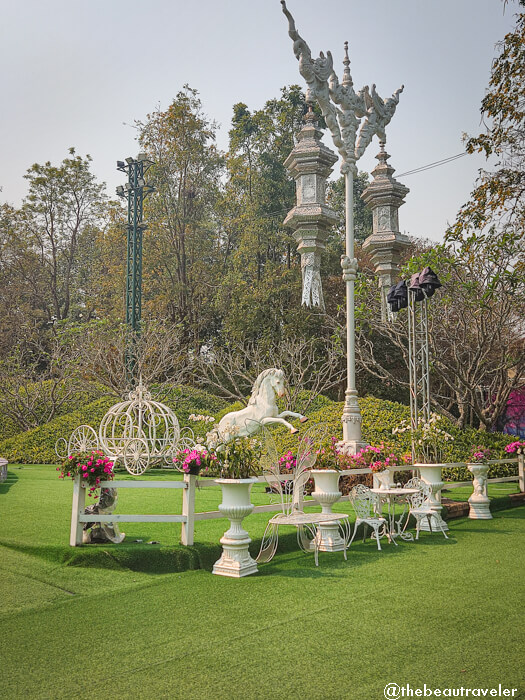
x: 351, y: 419
x: 135, y: 191
x: 412, y: 369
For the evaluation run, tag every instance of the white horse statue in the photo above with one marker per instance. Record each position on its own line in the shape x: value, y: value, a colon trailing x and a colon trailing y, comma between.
x: 261, y: 409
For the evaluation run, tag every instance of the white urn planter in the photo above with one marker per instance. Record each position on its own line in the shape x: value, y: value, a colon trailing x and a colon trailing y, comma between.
x: 431, y: 475
x: 326, y: 493
x: 235, y: 560
x: 384, y: 479
x: 479, y: 502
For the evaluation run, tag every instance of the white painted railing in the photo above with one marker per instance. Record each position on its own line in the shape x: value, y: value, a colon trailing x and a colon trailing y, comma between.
x: 189, y: 485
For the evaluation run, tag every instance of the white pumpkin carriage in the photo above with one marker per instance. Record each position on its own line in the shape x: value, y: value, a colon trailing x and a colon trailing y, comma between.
x: 137, y: 432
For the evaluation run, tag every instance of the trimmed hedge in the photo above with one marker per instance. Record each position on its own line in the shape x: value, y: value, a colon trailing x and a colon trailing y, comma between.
x: 379, y: 418
x: 37, y: 446
x: 9, y: 428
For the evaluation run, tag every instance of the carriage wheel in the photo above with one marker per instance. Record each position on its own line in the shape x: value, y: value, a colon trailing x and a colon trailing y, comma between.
x: 186, y: 439
x: 136, y: 456
x: 61, y: 449
x: 83, y: 439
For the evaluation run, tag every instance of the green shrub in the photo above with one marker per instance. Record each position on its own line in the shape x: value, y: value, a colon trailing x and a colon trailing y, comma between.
x: 37, y: 446
x: 380, y: 417
x: 185, y: 400
x: 9, y: 427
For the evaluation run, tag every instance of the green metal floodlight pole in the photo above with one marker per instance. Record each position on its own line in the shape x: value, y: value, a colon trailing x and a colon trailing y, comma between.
x: 135, y: 191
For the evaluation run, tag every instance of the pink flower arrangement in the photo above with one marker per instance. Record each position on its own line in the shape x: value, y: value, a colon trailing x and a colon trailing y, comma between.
x: 377, y: 458
x: 194, y: 461
x: 517, y: 446
x: 94, y: 467
x: 480, y: 454
x: 287, y: 462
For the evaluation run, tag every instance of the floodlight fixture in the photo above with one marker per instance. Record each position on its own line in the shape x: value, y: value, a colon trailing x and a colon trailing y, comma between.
x: 120, y: 190
x: 121, y: 164
x: 401, y: 295
x: 142, y: 156
x: 429, y: 281
x: 129, y: 160
x: 414, y: 287
x: 391, y: 300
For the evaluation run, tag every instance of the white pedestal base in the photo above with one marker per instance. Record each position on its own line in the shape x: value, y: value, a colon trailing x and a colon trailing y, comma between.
x: 479, y: 502
x: 479, y: 511
x: 329, y: 538
x: 431, y: 474
x: 235, y: 561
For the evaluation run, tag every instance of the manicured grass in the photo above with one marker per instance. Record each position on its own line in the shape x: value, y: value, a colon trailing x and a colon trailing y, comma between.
x: 447, y: 613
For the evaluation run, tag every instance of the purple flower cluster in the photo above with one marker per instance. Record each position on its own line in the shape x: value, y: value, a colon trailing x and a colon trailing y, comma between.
x: 377, y: 458
x: 480, y: 454
x: 517, y: 446
x: 288, y: 461
x: 194, y: 461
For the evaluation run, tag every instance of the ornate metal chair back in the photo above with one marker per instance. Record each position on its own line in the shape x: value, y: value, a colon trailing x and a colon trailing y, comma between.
x: 290, y: 492
x: 422, y: 497
x: 364, y: 502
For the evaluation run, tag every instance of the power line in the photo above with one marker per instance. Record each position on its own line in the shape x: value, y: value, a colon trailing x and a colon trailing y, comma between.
x: 436, y: 164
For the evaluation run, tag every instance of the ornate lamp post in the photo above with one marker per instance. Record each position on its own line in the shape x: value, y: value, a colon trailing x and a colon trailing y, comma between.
x: 310, y: 163
x: 353, y: 119
x: 135, y: 190
x: 384, y: 196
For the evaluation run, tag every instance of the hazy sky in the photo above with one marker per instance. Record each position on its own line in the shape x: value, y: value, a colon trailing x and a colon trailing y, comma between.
x: 78, y: 73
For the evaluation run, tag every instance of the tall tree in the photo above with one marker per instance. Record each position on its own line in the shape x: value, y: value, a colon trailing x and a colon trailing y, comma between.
x: 499, y: 197
x: 475, y: 328
x: 362, y: 214
x: 64, y: 204
x: 181, y: 246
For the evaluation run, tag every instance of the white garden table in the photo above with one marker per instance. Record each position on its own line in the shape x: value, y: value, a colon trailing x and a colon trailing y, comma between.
x: 393, y: 528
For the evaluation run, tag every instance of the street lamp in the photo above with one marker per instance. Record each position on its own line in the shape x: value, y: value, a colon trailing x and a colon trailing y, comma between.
x: 135, y: 191
x: 353, y: 119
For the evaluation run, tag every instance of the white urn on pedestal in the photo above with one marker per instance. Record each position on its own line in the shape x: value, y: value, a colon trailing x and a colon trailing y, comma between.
x: 384, y: 479
x: 235, y: 560
x: 431, y: 475
x: 479, y: 502
x: 326, y: 493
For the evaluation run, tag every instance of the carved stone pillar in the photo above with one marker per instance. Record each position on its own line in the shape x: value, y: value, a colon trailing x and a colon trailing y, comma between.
x: 479, y: 502
x: 310, y: 163
x: 384, y: 196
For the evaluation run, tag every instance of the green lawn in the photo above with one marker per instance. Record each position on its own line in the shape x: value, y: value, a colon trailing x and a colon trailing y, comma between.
x: 134, y: 621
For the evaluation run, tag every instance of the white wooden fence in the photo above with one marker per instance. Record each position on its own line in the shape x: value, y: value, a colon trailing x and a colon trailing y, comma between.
x: 188, y: 517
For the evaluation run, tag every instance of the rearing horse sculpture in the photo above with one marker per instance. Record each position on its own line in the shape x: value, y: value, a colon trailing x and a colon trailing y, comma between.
x: 261, y: 410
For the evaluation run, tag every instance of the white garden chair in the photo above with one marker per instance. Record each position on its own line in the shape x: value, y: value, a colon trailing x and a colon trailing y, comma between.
x: 419, y: 505
x: 366, y: 506
x: 291, y: 495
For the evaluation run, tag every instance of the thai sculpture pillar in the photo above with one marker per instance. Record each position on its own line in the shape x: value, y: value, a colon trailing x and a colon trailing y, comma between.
x: 310, y: 163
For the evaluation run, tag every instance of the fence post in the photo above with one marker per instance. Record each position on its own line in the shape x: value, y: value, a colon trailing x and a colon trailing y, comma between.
x: 77, y: 508
x: 521, y: 469
x: 188, y: 509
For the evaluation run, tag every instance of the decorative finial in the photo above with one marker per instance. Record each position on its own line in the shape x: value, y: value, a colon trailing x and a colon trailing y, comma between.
x: 310, y: 116
x: 347, y: 78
